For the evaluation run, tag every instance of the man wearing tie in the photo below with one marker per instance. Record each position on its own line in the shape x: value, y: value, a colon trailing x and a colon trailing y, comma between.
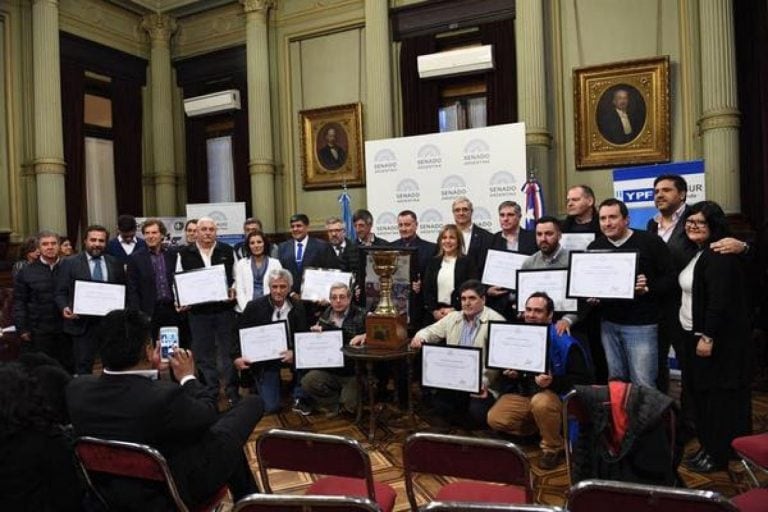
x: 304, y: 251
x: 91, y: 265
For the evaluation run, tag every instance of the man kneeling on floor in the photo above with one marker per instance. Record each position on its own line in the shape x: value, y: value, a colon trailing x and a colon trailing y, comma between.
x: 532, y: 402
x: 336, y: 388
x: 127, y: 403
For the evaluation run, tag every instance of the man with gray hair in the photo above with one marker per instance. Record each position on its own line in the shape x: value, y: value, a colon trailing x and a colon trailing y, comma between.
x: 477, y: 240
x: 37, y: 318
x: 212, y: 324
x: 345, y: 250
x: 336, y: 388
x: 276, y: 307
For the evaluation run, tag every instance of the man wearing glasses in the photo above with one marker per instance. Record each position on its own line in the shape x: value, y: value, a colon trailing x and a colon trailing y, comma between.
x: 477, y: 240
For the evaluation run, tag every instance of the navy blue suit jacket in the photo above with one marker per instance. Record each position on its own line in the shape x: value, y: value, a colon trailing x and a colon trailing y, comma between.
x: 317, y: 253
x: 526, y: 242
x: 116, y: 250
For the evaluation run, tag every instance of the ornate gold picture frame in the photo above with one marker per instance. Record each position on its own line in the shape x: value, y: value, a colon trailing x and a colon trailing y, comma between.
x: 622, y: 113
x: 332, y: 146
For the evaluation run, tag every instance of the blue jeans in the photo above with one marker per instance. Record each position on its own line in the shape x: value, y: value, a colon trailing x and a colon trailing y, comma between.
x: 266, y: 379
x: 212, y: 335
x: 631, y: 352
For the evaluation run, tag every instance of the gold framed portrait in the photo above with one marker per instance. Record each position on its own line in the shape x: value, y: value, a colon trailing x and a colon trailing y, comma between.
x: 332, y: 146
x: 622, y: 113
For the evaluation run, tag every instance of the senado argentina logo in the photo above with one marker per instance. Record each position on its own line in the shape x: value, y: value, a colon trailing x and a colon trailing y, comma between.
x: 407, y: 191
x: 452, y: 187
x: 386, y: 224
x: 482, y: 217
x: 477, y: 151
x: 431, y: 220
x: 384, y: 161
x: 503, y: 184
x: 429, y: 157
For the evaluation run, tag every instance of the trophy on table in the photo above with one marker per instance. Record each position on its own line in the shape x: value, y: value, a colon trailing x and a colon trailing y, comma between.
x: 386, y: 327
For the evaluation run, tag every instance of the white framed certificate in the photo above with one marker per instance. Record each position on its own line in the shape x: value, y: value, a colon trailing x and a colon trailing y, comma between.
x: 521, y: 347
x: 602, y: 275
x: 552, y: 281
x: 201, y: 285
x: 96, y: 298
x: 452, y: 367
x: 318, y: 349
x: 576, y: 241
x: 264, y: 342
x: 501, y: 268
x: 317, y: 282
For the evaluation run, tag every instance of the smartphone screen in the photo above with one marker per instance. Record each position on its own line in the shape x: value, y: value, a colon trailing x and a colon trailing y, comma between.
x: 169, y: 341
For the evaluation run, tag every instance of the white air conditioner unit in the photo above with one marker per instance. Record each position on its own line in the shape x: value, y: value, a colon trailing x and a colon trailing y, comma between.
x: 221, y: 101
x: 456, y: 62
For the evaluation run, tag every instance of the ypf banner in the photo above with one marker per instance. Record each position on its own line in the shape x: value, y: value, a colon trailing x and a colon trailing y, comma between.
x: 634, y: 186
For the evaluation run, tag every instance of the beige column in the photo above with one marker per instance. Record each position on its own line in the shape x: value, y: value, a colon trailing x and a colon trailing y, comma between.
x: 532, y: 90
x: 261, y: 163
x: 720, y: 118
x: 160, y: 28
x: 378, y: 79
x: 48, y: 160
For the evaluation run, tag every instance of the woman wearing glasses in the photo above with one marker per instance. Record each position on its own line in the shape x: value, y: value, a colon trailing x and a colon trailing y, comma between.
x: 714, y: 313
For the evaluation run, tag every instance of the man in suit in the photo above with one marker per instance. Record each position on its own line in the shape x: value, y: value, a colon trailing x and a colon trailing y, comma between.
x: 212, y: 324
x: 304, y: 251
x: 128, y: 403
x: 150, y: 278
x: 407, y: 226
x: 125, y: 243
x: 621, y: 121
x: 477, y: 240
x: 90, y: 265
x: 345, y: 250
x: 362, y: 220
x: 331, y: 156
x: 512, y: 238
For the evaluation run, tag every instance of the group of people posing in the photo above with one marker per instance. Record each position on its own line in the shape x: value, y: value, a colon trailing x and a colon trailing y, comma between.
x: 690, y: 292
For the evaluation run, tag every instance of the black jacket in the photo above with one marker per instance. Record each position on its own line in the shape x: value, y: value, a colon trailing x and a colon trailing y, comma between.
x: 479, y: 243
x: 526, y: 242
x: 222, y: 255
x: 465, y: 269
x: 34, y: 305
x: 142, y: 290
x: 354, y: 324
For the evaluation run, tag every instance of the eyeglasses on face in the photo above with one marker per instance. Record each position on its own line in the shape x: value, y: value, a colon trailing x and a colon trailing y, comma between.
x: 695, y: 223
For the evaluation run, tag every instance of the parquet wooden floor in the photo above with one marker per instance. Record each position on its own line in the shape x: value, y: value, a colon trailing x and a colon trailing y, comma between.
x: 386, y: 455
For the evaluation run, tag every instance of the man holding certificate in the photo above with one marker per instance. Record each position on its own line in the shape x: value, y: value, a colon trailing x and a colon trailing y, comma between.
x: 467, y: 328
x: 629, y: 327
x: 336, y: 388
x: 265, y: 312
x: 530, y: 403
x: 91, y: 265
x: 211, y: 323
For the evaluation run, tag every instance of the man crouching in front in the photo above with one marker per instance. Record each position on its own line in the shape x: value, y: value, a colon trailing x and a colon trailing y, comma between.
x: 127, y: 402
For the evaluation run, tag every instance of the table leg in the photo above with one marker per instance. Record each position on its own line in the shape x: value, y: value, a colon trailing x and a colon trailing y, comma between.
x: 360, y: 381
x: 371, y: 401
x: 409, y: 392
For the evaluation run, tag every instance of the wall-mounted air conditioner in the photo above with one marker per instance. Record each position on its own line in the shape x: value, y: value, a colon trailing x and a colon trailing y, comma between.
x: 221, y: 101
x: 456, y: 62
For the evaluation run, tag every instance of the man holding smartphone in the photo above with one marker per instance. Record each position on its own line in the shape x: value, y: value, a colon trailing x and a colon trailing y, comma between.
x: 128, y: 403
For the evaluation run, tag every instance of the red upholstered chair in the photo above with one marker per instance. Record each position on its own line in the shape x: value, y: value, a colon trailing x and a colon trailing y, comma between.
x: 344, y: 462
x: 480, y: 460
x: 609, y: 496
x: 754, y: 500
x: 131, y: 460
x: 289, y: 503
x: 753, y: 451
x: 460, y: 506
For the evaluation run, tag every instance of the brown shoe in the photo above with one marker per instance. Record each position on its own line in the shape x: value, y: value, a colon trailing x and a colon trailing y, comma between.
x: 550, y: 460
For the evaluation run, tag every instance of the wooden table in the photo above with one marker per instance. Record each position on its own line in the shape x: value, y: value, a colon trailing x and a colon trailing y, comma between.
x: 368, y: 356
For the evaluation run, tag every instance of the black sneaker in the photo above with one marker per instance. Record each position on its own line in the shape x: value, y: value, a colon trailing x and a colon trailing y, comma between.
x: 301, y: 407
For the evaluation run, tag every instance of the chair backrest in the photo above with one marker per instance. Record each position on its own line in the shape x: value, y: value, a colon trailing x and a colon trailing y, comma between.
x: 124, y: 459
x: 490, y: 460
x: 308, y: 452
x: 605, y: 495
x: 456, y: 506
x: 306, y: 503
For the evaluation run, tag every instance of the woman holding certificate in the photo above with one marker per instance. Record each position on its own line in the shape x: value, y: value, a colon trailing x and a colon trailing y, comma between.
x: 251, y: 272
x: 714, y: 314
x: 446, y: 272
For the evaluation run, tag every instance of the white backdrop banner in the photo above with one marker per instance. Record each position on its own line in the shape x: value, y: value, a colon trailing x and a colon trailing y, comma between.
x: 426, y: 173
